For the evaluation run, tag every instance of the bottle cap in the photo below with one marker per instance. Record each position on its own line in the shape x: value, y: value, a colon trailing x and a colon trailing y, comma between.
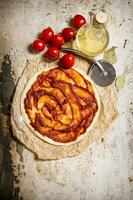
x: 101, y: 17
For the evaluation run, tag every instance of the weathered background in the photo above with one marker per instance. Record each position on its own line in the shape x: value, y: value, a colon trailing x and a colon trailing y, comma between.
x: 105, y: 170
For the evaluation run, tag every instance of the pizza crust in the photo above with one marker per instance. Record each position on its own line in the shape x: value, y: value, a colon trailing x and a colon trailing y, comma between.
x: 26, y: 118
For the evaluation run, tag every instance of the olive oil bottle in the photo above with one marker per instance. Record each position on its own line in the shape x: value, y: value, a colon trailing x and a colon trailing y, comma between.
x: 93, y: 39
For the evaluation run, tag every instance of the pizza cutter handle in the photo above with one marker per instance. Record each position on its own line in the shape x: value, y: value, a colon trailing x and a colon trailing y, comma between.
x: 83, y: 55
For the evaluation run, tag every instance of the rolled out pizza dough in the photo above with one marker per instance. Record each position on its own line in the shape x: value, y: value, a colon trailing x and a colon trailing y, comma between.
x: 33, y: 82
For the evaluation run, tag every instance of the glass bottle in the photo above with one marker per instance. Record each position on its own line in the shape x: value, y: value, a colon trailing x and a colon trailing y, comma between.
x: 93, y: 39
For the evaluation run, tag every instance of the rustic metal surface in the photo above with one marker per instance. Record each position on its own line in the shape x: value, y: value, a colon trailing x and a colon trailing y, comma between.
x: 105, y: 170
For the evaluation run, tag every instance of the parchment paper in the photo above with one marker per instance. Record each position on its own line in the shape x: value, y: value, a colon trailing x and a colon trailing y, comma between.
x: 47, y: 151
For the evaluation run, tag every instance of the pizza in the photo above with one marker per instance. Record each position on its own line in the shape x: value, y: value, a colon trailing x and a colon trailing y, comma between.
x: 60, y: 105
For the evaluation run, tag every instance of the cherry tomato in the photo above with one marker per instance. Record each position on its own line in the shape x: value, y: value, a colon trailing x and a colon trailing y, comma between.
x: 47, y: 34
x: 79, y: 21
x: 68, y: 33
x: 67, y: 60
x: 39, y: 45
x: 57, y: 40
x: 52, y: 53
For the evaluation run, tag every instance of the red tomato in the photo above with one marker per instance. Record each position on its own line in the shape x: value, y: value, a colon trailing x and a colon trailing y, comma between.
x: 67, y: 60
x: 52, y: 53
x: 39, y: 45
x: 68, y: 33
x: 57, y: 41
x: 47, y: 34
x: 79, y: 21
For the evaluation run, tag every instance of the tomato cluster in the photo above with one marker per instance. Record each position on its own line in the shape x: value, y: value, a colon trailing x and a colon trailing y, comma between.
x: 55, y: 41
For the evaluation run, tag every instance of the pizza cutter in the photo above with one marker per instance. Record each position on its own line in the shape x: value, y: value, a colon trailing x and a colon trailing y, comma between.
x: 102, y: 72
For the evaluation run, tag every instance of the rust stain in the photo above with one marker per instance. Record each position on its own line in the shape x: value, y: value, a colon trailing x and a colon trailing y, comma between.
x: 130, y: 179
x: 125, y: 42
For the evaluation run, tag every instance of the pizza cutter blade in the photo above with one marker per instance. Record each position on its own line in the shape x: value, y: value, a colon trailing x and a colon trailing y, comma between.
x: 100, y: 78
x: 102, y: 72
